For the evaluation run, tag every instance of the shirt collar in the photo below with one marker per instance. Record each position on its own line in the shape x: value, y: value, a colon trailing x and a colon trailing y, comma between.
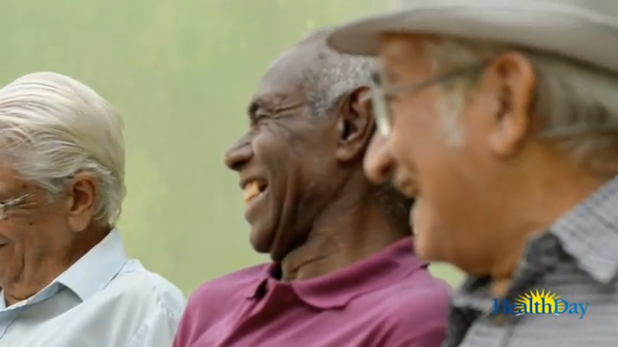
x: 337, y: 289
x: 589, y: 233
x: 97, y: 268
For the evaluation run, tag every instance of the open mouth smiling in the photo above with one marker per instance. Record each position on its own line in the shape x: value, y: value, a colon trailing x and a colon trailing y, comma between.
x: 253, y: 190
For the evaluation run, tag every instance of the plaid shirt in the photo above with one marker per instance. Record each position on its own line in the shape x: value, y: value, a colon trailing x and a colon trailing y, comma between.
x: 576, y: 259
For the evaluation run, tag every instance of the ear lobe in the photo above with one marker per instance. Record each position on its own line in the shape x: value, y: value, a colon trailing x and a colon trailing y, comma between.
x: 355, y: 125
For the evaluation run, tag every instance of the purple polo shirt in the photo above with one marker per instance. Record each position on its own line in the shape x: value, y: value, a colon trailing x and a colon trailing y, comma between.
x: 387, y: 300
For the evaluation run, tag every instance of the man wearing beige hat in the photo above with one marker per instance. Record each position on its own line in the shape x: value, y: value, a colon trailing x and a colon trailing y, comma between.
x: 501, y: 119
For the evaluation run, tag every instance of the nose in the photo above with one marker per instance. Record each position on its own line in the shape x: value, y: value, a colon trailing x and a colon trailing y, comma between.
x: 379, y: 164
x: 238, y: 155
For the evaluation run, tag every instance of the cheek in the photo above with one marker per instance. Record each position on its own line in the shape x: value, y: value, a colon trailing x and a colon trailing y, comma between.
x: 34, y: 225
x: 417, y: 141
x: 269, y: 155
x: 17, y: 223
x: 421, y: 148
x: 12, y: 254
x: 10, y: 231
x: 272, y: 141
x: 26, y: 235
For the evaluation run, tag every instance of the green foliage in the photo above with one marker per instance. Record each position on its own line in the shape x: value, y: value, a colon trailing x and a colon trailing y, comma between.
x: 181, y: 72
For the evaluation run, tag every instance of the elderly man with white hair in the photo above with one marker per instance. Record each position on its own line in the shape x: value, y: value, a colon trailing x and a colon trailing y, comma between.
x: 501, y: 118
x: 65, y: 276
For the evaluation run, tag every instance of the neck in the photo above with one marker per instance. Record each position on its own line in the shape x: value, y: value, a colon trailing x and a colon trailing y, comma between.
x: 539, y: 202
x: 33, y: 279
x: 339, y: 239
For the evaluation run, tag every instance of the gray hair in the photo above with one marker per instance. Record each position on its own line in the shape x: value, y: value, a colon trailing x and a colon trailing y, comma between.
x: 332, y: 75
x: 53, y: 126
x: 326, y: 81
x: 577, y: 104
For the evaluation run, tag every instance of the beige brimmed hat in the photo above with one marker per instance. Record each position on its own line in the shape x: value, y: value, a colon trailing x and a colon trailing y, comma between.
x: 586, y: 30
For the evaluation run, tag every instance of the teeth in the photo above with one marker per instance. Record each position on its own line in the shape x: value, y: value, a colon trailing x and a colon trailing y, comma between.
x: 252, y: 190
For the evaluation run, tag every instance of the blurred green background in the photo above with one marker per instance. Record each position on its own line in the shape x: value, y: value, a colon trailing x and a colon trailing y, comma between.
x: 181, y: 72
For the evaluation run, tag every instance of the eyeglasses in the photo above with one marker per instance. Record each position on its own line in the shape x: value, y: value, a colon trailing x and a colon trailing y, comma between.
x: 6, y: 206
x: 381, y: 96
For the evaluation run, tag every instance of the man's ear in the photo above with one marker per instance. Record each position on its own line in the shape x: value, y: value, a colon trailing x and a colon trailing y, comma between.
x: 355, y: 124
x: 84, y: 191
x: 513, y: 80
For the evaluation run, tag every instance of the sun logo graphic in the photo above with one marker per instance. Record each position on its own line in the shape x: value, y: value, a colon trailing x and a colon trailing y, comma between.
x: 543, y: 302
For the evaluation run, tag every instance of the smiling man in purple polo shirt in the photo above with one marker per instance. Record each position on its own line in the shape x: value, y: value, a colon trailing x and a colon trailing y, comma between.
x: 343, y: 271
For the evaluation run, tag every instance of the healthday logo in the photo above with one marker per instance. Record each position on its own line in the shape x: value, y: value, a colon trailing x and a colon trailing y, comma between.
x: 540, y: 303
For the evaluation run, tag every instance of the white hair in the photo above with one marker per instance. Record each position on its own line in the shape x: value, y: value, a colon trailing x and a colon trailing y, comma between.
x: 573, y: 101
x: 332, y: 74
x: 53, y: 127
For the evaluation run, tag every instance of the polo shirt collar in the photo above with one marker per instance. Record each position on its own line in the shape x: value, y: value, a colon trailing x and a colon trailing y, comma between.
x: 339, y: 288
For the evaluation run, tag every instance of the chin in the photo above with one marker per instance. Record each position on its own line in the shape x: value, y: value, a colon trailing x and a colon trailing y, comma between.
x: 260, y: 241
x: 427, y: 250
x: 263, y: 237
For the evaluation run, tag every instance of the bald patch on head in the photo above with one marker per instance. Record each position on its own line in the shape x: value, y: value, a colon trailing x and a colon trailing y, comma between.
x: 321, y: 73
x: 293, y: 61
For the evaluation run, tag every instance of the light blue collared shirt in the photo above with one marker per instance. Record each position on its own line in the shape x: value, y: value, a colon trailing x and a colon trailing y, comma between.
x: 103, y: 300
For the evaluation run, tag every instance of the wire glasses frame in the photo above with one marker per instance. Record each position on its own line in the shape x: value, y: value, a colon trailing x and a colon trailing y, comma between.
x: 7, y: 205
x: 380, y: 96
